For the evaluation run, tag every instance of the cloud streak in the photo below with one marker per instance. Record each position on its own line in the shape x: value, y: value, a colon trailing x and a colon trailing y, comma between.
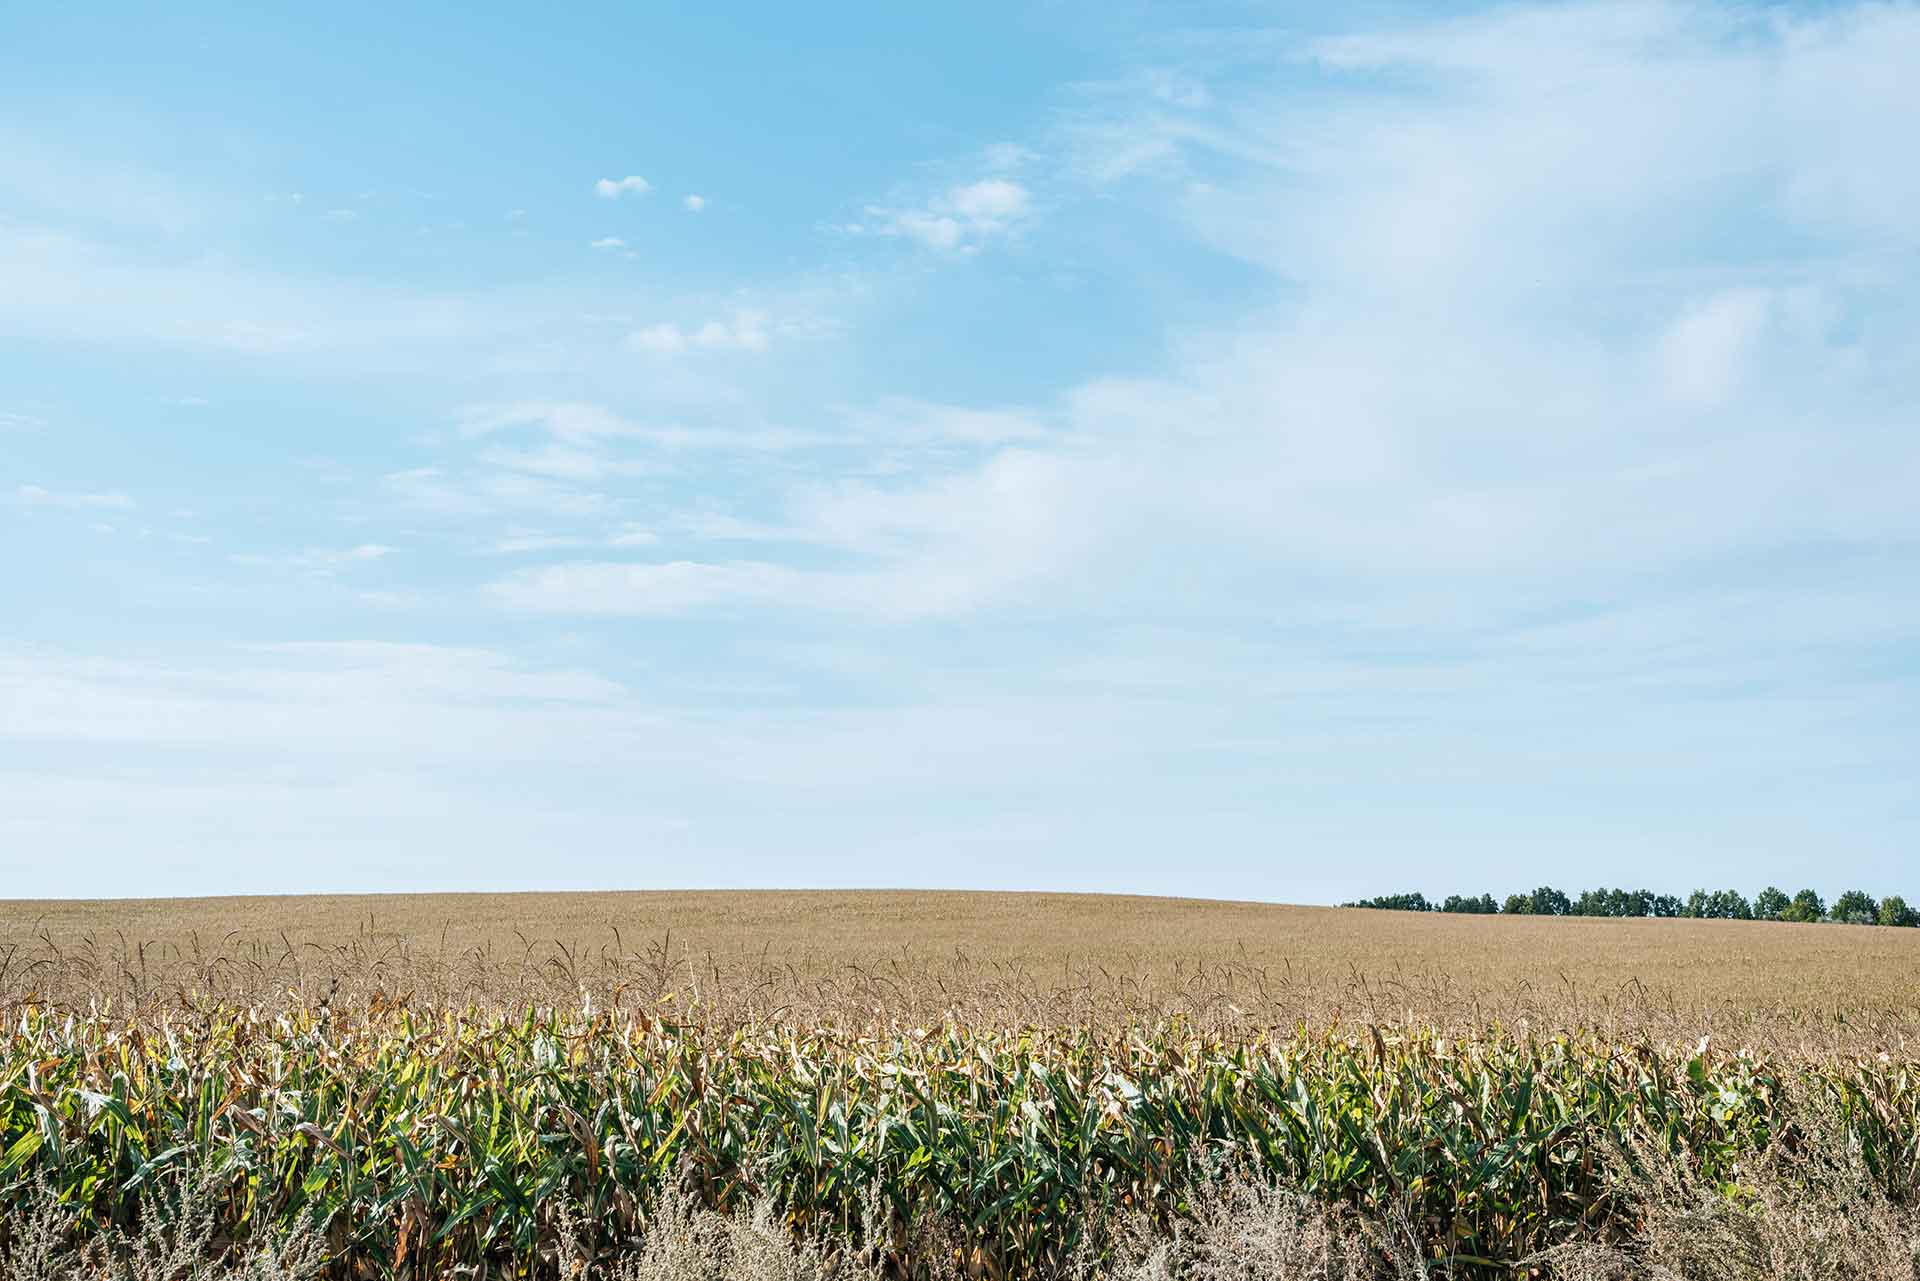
x: 37, y: 496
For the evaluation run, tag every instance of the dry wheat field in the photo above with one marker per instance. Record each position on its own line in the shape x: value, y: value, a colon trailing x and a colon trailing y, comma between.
x: 879, y: 957
x: 907, y: 1084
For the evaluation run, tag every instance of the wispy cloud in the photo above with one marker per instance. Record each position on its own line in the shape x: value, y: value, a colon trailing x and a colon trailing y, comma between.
x: 324, y: 561
x: 694, y: 204
x: 36, y: 496
x: 1703, y: 356
x: 435, y: 491
x: 961, y: 219
x: 609, y: 242
x: 745, y: 331
x: 70, y: 288
x: 562, y: 462
x: 1444, y: 393
x: 633, y: 536
x: 520, y: 541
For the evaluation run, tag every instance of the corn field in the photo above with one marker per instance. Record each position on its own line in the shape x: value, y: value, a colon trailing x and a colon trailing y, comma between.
x: 426, y: 1142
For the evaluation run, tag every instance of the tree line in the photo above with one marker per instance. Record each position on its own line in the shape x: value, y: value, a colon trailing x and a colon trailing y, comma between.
x: 1855, y: 907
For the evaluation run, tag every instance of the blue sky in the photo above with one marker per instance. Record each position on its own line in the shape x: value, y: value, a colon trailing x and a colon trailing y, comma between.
x: 1263, y: 452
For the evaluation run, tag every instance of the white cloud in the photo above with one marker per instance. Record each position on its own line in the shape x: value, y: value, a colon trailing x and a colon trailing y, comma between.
x: 109, y: 182
x: 432, y: 490
x: 21, y: 422
x: 1004, y: 156
x: 1703, y: 356
x: 72, y: 289
x: 658, y: 588
x: 664, y: 339
x: 315, y: 560
x: 903, y: 422
x: 633, y: 536
x: 746, y: 331
x: 518, y: 541
x: 569, y: 421
x: 614, y: 188
x: 972, y: 540
x: 576, y: 423
x: 35, y: 496
x: 990, y: 202
x: 694, y: 204
x: 562, y: 462
x: 1481, y: 363
x: 609, y: 242
x: 936, y: 230
x: 960, y: 219
x: 720, y: 527
x: 1178, y: 89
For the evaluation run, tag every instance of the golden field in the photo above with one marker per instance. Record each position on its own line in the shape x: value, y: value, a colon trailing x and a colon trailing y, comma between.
x: 866, y: 957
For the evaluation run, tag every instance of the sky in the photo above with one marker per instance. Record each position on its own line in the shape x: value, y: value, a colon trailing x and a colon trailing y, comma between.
x: 1282, y: 452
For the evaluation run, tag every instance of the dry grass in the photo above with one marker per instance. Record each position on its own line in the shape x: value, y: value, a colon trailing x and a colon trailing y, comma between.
x: 867, y: 957
x: 1809, y: 1209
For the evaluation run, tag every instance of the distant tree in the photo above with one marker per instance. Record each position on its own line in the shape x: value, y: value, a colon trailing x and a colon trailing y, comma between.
x: 1806, y: 906
x: 1481, y: 905
x: 1415, y: 902
x: 1894, y: 911
x: 1518, y: 905
x: 1666, y: 905
x: 1770, y: 903
x: 1696, y: 905
x: 1855, y: 907
x: 1606, y: 902
x: 1548, y: 901
x: 1730, y: 905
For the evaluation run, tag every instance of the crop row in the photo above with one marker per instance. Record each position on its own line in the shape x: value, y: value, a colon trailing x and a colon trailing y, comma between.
x: 424, y: 1142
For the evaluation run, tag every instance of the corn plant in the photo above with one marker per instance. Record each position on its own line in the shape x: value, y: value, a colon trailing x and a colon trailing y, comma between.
x: 422, y: 1142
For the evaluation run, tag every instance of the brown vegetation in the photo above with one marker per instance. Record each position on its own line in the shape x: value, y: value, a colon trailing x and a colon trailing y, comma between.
x: 867, y: 958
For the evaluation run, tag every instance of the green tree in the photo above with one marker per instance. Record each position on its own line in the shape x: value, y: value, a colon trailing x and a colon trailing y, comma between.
x: 1548, y: 901
x: 1855, y: 907
x: 1518, y: 905
x: 1806, y: 906
x: 1666, y: 905
x: 1770, y: 903
x: 1414, y: 902
x: 1894, y: 911
x: 1730, y: 905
